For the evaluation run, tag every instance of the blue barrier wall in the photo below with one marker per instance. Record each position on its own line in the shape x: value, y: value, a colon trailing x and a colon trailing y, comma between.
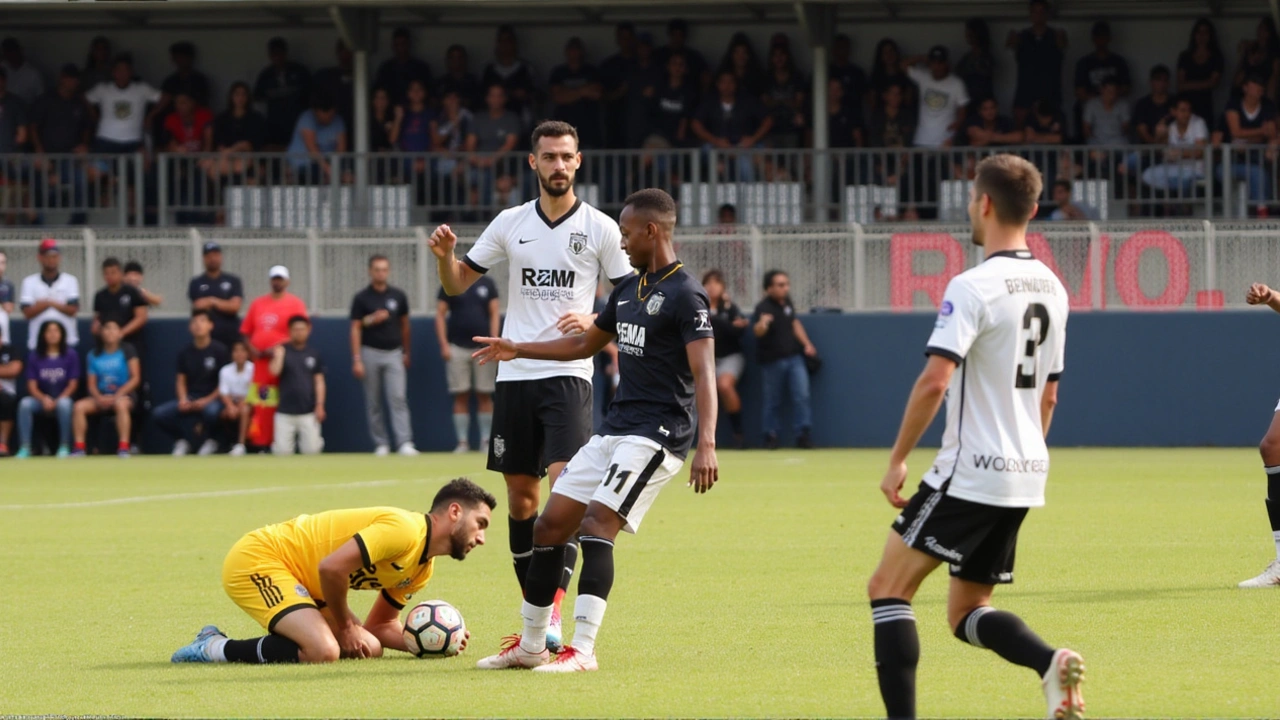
x: 1155, y: 379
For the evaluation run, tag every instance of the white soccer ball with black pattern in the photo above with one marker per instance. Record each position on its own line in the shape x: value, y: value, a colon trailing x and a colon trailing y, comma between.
x: 434, y: 629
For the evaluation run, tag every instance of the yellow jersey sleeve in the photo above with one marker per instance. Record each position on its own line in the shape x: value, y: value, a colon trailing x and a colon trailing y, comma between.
x: 391, y: 535
x: 400, y: 595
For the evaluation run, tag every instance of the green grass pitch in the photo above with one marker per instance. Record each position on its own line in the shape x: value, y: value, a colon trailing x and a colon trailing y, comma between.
x: 746, y: 602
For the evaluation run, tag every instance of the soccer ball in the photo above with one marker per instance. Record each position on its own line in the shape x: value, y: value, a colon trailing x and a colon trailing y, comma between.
x: 434, y: 629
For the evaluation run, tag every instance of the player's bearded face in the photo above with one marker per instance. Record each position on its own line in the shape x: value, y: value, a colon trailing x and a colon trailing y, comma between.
x: 556, y: 182
x: 465, y: 536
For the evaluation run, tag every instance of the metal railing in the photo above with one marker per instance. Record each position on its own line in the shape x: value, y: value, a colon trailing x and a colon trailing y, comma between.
x: 1181, y: 264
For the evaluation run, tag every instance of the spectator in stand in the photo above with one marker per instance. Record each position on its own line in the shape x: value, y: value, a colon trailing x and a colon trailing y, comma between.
x: 977, y: 68
x: 189, y: 127
x: 727, y: 216
x: 133, y: 276
x: 24, y: 80
x: 300, y: 371
x: 384, y: 122
x: 10, y: 371
x: 338, y: 82
x: 844, y: 118
x: 1038, y: 51
x: 642, y: 91
x: 114, y: 378
x: 237, y: 131
x: 781, y: 348
x: 285, y: 87
x: 1250, y: 127
x: 887, y: 70
x: 1065, y: 208
x: 320, y: 133
x: 402, y: 67
x: 1154, y: 108
x: 678, y: 42
x: 1183, y: 165
x: 266, y: 326
x: 1255, y: 61
x: 1045, y: 124
x: 452, y: 137
x: 458, y: 77
x: 989, y: 128
x: 676, y: 100
x: 53, y: 376
x: 99, y: 64
x: 120, y: 110
x: 728, y: 324
x: 1200, y: 68
x: 62, y: 123
x: 614, y: 72
x: 852, y: 78
x: 194, y: 413
x: 576, y: 93
x: 784, y: 99
x: 1098, y: 66
x: 892, y: 125
x: 740, y: 60
x: 943, y: 98
x: 460, y: 318
x: 497, y: 131
x: 8, y: 294
x: 1106, y: 117
x: 185, y: 78
x: 50, y: 295
x: 380, y: 343
x: 120, y: 303
x: 221, y: 293
x: 514, y: 73
x: 13, y: 119
x: 730, y: 120
x: 233, y: 391
x: 415, y: 131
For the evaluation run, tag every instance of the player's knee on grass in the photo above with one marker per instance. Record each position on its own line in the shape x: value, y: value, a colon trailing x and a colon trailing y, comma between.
x: 320, y: 650
x: 523, y: 494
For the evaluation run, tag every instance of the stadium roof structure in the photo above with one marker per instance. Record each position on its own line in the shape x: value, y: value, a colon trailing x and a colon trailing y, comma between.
x: 107, y: 14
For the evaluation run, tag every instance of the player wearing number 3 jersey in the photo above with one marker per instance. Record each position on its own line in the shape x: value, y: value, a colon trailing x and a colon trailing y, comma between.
x: 995, y: 355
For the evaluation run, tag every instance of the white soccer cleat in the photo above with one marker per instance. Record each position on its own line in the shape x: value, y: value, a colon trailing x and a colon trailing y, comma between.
x: 237, y: 450
x: 407, y: 450
x: 1062, y: 686
x: 381, y: 451
x: 181, y: 447
x: 514, y: 656
x: 209, y: 447
x: 1269, y: 577
x: 570, y: 660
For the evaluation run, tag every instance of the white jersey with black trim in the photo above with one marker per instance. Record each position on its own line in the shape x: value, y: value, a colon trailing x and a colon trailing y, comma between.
x: 1004, y: 323
x: 554, y: 269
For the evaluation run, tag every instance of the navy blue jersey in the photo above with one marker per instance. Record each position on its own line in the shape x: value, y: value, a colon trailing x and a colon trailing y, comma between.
x: 653, y: 325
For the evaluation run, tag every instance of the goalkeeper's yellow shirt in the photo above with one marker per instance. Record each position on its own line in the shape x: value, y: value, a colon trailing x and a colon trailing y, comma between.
x: 393, y: 549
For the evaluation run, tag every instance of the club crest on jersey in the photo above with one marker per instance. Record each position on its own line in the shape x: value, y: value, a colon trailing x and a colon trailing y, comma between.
x: 577, y: 243
x: 655, y: 303
x: 499, y: 446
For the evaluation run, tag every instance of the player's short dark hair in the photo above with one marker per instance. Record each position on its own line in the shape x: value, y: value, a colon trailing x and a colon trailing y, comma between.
x: 240, y: 342
x: 652, y: 200
x: 710, y: 275
x: 463, y: 492
x: 376, y: 257
x: 133, y: 266
x: 1255, y: 79
x: 1013, y: 184
x: 1065, y: 184
x: 1160, y: 71
x: 300, y: 319
x: 323, y: 101
x: 1182, y: 98
x: 111, y: 262
x: 772, y: 275
x: 553, y: 129
x: 202, y: 313
x: 124, y: 58
x: 1101, y: 28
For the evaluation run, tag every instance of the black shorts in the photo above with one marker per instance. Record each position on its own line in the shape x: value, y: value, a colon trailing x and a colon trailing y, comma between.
x: 978, y: 541
x: 8, y: 409
x: 537, y: 423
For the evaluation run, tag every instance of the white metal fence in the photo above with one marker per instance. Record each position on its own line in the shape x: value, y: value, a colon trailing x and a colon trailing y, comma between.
x: 1171, y: 265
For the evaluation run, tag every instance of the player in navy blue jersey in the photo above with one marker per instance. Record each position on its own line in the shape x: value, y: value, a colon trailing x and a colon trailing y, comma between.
x: 666, y: 360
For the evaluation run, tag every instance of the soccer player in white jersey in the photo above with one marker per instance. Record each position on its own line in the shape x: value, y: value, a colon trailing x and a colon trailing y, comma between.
x: 1260, y: 294
x: 995, y: 355
x: 557, y: 247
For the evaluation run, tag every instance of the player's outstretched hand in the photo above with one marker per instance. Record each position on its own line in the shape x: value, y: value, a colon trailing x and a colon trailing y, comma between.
x: 442, y: 241
x: 494, y: 350
x: 1258, y: 294
x: 704, y: 471
x: 575, y: 323
x: 891, y: 486
x: 351, y: 641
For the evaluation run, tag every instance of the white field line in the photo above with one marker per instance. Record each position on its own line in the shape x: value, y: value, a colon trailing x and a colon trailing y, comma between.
x: 214, y: 494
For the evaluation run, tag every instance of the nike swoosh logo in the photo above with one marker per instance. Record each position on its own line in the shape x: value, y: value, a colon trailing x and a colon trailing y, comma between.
x: 623, y: 302
x: 522, y: 241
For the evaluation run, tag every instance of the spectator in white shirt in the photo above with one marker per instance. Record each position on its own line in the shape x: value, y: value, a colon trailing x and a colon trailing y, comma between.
x: 120, y: 108
x: 233, y: 390
x: 24, y: 80
x: 943, y: 98
x: 50, y: 295
x: 1183, y: 164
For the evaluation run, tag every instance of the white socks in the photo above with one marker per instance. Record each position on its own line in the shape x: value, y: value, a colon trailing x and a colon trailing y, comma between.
x: 462, y: 426
x: 536, y: 620
x: 217, y: 649
x: 486, y: 425
x: 588, y: 614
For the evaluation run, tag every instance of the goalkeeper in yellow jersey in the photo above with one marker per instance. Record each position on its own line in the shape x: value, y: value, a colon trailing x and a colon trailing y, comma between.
x: 293, y: 578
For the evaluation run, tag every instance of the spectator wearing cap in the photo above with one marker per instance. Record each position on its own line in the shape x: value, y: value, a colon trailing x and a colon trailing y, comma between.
x: 120, y: 110
x: 678, y: 42
x: 1039, y: 51
x: 239, y: 129
x: 380, y: 344
x: 1098, y: 66
x: 285, y: 87
x: 575, y: 93
x: 319, y: 133
x: 943, y: 98
x: 402, y: 67
x: 221, y: 293
x: 134, y: 276
x: 61, y: 122
x: 24, y: 80
x: 459, y: 318
x: 266, y: 326
x: 299, y: 370
x: 50, y: 295
x: 194, y: 412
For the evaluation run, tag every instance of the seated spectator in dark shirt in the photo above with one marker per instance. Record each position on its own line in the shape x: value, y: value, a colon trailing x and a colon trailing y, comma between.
x: 285, y: 87
x: 384, y: 122
x: 852, y: 78
x: 728, y: 324
x: 576, y: 93
x: 1250, y: 127
x: 844, y: 119
x: 1256, y: 60
x: 892, y: 125
x: 1106, y: 117
x: 886, y: 70
x: 497, y: 132
x: 300, y: 411
x: 740, y: 60
x: 238, y: 130
x: 727, y: 120
x: 1045, y: 124
x: 1154, y: 108
x: 415, y: 128
x: 784, y: 99
x: 1097, y: 66
x: 645, y: 78
x: 678, y: 42
x: 452, y: 135
x: 988, y: 127
x: 62, y: 123
x: 459, y: 78
x: 13, y: 119
x: 515, y: 74
x: 1200, y: 67
x: 339, y: 82
x: 192, y: 416
x: 402, y: 67
x: 185, y: 79
x: 189, y: 128
x: 613, y: 81
x: 675, y: 102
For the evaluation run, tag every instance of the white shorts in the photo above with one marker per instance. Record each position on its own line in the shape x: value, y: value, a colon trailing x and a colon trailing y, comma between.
x: 622, y: 472
x: 730, y: 365
x: 304, y: 430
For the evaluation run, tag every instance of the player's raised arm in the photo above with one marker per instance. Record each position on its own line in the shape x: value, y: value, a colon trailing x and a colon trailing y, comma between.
x: 1260, y: 294
x: 570, y: 347
x: 926, y: 398
x: 455, y: 275
x: 704, y: 471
